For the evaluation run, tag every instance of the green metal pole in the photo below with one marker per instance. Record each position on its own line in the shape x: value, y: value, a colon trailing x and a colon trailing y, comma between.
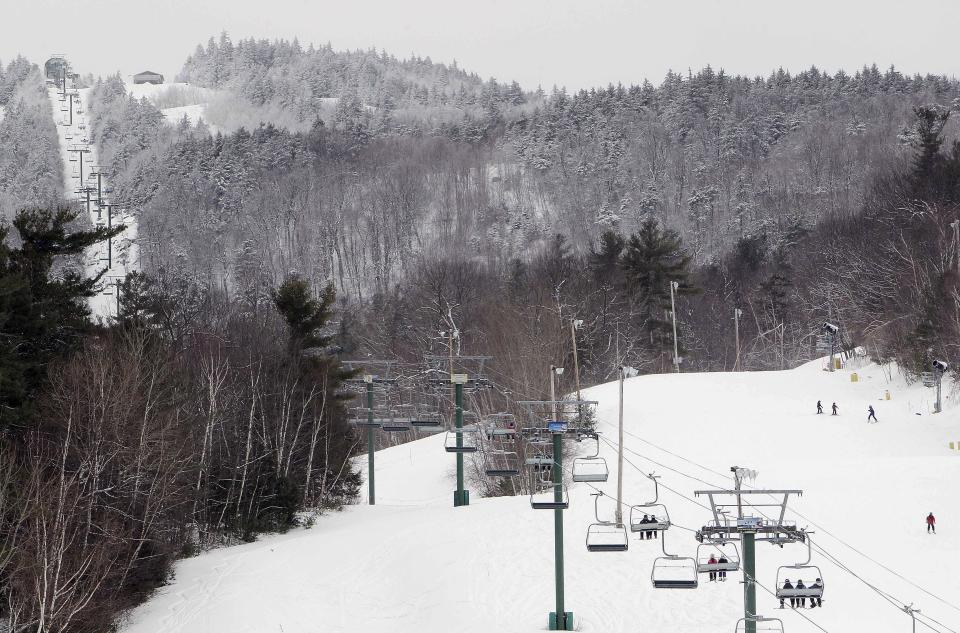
x: 461, y: 497
x: 749, y: 587
x: 561, y: 620
x: 370, y: 469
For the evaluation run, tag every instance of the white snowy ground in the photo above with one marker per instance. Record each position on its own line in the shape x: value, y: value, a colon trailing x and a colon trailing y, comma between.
x: 414, y: 563
x: 194, y: 111
x: 125, y: 252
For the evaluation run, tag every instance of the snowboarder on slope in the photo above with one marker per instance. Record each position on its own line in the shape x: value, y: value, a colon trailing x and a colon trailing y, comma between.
x: 835, y: 408
x: 713, y: 573
x: 819, y: 407
x: 873, y: 414
x: 931, y: 523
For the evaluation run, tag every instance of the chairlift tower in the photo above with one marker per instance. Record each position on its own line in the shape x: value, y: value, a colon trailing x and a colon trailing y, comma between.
x: 748, y: 530
x: 80, y: 150
x: 552, y: 412
x: 461, y: 372
x: 369, y: 380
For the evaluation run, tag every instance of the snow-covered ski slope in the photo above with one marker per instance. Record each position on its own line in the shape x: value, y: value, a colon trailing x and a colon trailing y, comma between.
x: 413, y: 563
x: 121, y: 256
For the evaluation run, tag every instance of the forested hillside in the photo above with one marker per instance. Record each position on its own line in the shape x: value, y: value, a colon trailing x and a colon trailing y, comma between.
x: 746, y: 172
x: 383, y: 201
x: 30, y: 171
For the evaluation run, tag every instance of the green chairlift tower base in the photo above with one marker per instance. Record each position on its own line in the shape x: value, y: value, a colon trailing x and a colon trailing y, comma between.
x: 565, y: 624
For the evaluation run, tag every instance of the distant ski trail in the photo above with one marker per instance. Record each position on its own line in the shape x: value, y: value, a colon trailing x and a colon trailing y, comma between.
x: 122, y: 255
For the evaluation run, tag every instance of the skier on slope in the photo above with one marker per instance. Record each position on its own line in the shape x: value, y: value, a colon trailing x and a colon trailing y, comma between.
x: 872, y: 414
x: 835, y: 408
x: 931, y: 523
x: 819, y: 407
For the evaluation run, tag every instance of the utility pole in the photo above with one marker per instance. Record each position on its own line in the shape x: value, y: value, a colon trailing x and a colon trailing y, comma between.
x: 574, y: 324
x: 737, y: 312
x: 619, y: 513
x: 371, y: 487
x: 674, y: 285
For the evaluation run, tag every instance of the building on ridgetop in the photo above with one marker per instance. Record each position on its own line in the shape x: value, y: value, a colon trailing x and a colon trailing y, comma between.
x: 148, y: 77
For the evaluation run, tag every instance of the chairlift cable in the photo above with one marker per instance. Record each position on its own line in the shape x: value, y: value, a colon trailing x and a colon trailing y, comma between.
x: 794, y: 511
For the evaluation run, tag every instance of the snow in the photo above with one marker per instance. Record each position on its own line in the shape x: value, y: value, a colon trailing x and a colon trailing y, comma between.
x: 415, y: 563
x: 193, y: 113
x: 197, y: 100
x: 125, y: 252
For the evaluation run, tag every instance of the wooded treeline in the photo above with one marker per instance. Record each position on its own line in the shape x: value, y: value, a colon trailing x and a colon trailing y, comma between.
x: 753, y: 175
x: 186, y: 423
x: 31, y: 172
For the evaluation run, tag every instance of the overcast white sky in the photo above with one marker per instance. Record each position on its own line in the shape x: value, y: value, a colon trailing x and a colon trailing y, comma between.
x: 573, y: 43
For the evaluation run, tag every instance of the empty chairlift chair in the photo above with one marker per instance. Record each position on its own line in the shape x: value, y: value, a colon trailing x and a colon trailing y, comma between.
x: 360, y: 417
x: 461, y: 440
x: 424, y: 418
x: 762, y: 625
x: 591, y: 468
x: 671, y: 571
x: 501, y: 463
x: 605, y: 536
x: 547, y: 495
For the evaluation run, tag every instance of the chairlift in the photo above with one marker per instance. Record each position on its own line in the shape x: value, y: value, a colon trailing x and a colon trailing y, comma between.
x: 501, y: 463
x: 671, y: 571
x: 815, y: 578
x: 361, y: 418
x: 605, y: 536
x: 591, y: 468
x: 461, y: 441
x: 720, y: 552
x: 396, y: 424
x: 652, y: 516
x: 553, y: 496
x: 427, y: 419
x: 761, y: 625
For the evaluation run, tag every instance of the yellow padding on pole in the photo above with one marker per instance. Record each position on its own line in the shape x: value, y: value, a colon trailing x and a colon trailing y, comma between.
x: 854, y: 377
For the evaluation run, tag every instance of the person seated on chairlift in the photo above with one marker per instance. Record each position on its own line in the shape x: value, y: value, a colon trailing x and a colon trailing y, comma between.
x: 643, y: 534
x: 816, y: 601
x: 723, y: 572
x: 712, y: 561
x: 801, y: 600
x: 787, y: 585
x: 653, y: 519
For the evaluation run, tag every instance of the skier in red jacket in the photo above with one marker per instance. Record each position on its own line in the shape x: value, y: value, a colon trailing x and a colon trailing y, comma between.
x: 931, y: 523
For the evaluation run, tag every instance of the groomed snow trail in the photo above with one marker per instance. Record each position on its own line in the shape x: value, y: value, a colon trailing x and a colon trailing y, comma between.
x: 121, y: 256
x: 414, y: 563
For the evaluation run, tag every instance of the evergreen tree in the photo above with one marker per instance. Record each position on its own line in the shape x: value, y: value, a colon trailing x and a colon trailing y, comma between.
x: 651, y: 260
x: 42, y: 317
